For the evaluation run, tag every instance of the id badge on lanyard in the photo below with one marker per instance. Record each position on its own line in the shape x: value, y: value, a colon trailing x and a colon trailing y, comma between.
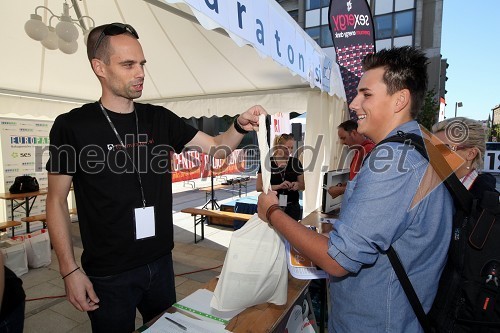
x: 144, y: 220
x: 144, y: 217
x: 283, y: 200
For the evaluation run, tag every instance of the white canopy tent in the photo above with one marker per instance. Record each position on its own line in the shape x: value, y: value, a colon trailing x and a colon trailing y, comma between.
x: 195, y: 69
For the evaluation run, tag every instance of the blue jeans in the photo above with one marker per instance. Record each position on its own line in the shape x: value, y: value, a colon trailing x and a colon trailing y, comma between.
x: 149, y: 288
x: 14, y: 323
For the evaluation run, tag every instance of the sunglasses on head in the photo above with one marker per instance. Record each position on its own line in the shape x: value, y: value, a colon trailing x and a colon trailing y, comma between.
x: 114, y: 29
x: 446, y: 148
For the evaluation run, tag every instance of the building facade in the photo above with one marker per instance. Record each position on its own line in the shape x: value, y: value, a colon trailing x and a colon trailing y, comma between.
x: 397, y: 23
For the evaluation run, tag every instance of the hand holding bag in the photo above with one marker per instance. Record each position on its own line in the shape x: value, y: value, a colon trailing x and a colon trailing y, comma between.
x: 255, y: 269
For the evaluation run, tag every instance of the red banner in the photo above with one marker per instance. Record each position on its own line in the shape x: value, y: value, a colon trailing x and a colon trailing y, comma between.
x: 192, y: 165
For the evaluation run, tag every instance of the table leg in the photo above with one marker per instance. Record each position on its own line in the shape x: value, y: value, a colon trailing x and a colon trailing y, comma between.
x: 199, y: 220
x: 27, y: 203
x: 12, y: 209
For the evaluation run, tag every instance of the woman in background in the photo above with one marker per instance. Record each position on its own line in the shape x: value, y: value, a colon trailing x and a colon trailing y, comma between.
x: 287, y: 175
x: 471, y: 149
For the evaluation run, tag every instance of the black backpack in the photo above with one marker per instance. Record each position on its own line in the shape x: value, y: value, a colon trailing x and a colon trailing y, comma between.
x: 24, y: 184
x: 468, y: 297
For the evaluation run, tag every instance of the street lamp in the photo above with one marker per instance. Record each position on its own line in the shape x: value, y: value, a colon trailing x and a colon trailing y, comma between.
x: 457, y: 105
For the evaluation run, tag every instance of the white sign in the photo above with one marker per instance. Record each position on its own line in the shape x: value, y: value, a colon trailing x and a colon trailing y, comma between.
x: 492, y: 161
x: 24, y: 150
x: 262, y: 25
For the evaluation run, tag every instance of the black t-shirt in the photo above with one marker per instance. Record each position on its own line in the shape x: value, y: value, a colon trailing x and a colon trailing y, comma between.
x: 290, y: 172
x: 13, y: 294
x: 106, y: 186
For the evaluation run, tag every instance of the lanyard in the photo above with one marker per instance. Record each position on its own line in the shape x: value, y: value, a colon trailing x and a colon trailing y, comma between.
x: 281, y: 169
x: 104, y: 112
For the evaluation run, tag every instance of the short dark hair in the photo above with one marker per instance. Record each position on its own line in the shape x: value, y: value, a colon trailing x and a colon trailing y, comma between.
x: 349, y: 125
x: 405, y: 68
x: 102, y: 52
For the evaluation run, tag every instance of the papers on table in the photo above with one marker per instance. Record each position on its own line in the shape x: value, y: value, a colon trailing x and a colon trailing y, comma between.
x: 300, y: 266
x: 198, y: 305
x: 180, y: 323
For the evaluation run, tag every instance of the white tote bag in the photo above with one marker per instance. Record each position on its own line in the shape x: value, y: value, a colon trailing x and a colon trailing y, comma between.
x: 15, y: 258
x: 38, y: 248
x: 255, y: 269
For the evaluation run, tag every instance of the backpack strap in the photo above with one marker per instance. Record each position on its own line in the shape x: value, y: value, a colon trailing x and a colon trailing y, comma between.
x: 461, y: 197
x: 408, y: 289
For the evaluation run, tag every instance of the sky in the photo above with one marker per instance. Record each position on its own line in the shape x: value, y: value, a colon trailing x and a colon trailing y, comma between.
x: 470, y: 40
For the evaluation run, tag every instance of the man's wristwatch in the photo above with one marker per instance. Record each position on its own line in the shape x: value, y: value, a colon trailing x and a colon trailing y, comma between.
x: 238, y: 127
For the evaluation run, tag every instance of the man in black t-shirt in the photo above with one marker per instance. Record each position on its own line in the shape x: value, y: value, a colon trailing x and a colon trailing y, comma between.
x: 117, y: 155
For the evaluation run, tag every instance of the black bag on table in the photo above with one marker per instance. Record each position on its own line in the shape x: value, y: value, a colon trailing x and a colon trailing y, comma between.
x: 24, y: 184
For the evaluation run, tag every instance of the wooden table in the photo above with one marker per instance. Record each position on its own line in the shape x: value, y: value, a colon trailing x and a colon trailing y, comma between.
x: 200, y: 215
x: 9, y: 224
x: 269, y: 317
x: 314, y: 219
x: 22, y: 200
x: 259, y: 318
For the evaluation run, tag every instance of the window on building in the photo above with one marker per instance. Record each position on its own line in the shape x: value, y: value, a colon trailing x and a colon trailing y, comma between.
x: 383, y: 44
x: 314, y: 4
x: 383, y: 6
x: 315, y: 34
x: 403, y: 5
x: 383, y: 26
x: 294, y: 14
x: 326, y: 39
x: 403, y: 23
x: 403, y: 41
x: 395, y: 25
x: 313, y: 18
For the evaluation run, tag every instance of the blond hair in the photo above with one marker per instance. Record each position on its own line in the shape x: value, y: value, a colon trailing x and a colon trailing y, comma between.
x: 280, y: 140
x: 465, y: 132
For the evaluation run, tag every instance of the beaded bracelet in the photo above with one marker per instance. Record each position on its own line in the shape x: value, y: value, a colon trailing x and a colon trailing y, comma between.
x: 238, y: 127
x: 65, y: 276
x: 271, y: 210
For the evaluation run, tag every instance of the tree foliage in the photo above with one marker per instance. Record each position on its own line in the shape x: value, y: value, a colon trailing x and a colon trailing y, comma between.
x: 429, y: 113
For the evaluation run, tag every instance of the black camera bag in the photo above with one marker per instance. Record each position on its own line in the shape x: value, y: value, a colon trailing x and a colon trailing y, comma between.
x: 24, y: 184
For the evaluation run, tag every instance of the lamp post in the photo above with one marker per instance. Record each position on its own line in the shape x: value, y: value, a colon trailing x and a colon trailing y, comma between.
x: 457, y: 105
